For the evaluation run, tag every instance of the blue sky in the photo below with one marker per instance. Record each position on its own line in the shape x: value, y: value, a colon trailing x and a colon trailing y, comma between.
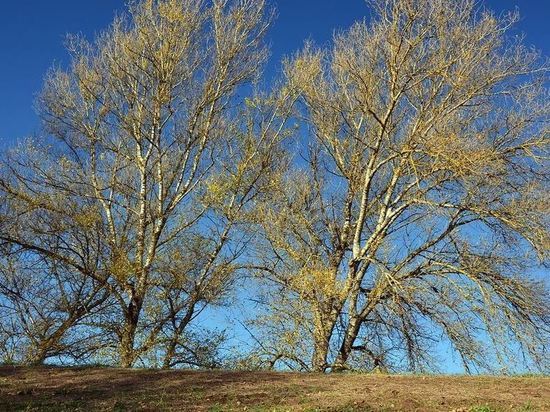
x: 32, y: 34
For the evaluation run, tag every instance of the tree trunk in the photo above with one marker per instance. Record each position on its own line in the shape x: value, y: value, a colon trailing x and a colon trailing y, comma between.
x: 170, y: 352
x: 340, y: 364
x: 324, y: 325
x: 320, y: 353
x: 37, y: 358
x: 127, y: 352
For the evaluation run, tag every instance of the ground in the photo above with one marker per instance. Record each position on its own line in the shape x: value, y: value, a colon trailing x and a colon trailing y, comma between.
x: 107, y: 389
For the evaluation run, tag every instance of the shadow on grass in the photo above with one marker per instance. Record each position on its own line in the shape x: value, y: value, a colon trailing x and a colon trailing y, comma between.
x: 55, y: 388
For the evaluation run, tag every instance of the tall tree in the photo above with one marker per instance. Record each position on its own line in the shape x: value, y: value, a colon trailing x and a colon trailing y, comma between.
x: 140, y: 120
x: 421, y: 209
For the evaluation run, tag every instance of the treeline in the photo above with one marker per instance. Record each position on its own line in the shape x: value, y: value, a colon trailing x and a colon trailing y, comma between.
x: 381, y: 195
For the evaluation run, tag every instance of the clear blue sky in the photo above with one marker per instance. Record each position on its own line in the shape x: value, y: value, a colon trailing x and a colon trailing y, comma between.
x: 32, y: 34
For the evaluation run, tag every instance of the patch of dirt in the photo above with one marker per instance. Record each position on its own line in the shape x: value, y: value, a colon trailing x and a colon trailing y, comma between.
x: 110, y: 389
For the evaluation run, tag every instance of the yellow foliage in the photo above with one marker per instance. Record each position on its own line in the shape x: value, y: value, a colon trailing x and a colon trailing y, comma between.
x: 121, y: 267
x: 87, y: 218
x: 318, y: 281
x: 463, y: 158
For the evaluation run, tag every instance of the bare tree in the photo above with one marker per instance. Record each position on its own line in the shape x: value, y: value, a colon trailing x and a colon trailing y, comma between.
x: 44, y: 308
x: 421, y: 208
x: 140, y: 122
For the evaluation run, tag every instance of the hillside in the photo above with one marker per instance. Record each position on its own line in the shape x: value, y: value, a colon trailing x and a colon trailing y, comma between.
x: 105, y: 389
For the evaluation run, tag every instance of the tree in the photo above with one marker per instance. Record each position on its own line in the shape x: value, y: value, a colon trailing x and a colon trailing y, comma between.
x: 421, y: 208
x: 45, y: 306
x: 142, y: 122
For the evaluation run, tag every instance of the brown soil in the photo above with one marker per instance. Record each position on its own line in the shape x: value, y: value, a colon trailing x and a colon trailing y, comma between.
x: 105, y: 389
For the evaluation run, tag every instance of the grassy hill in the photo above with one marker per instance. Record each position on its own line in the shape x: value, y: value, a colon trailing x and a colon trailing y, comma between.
x: 106, y: 389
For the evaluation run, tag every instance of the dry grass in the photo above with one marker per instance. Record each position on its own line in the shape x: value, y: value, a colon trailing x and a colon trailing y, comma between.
x: 105, y: 389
